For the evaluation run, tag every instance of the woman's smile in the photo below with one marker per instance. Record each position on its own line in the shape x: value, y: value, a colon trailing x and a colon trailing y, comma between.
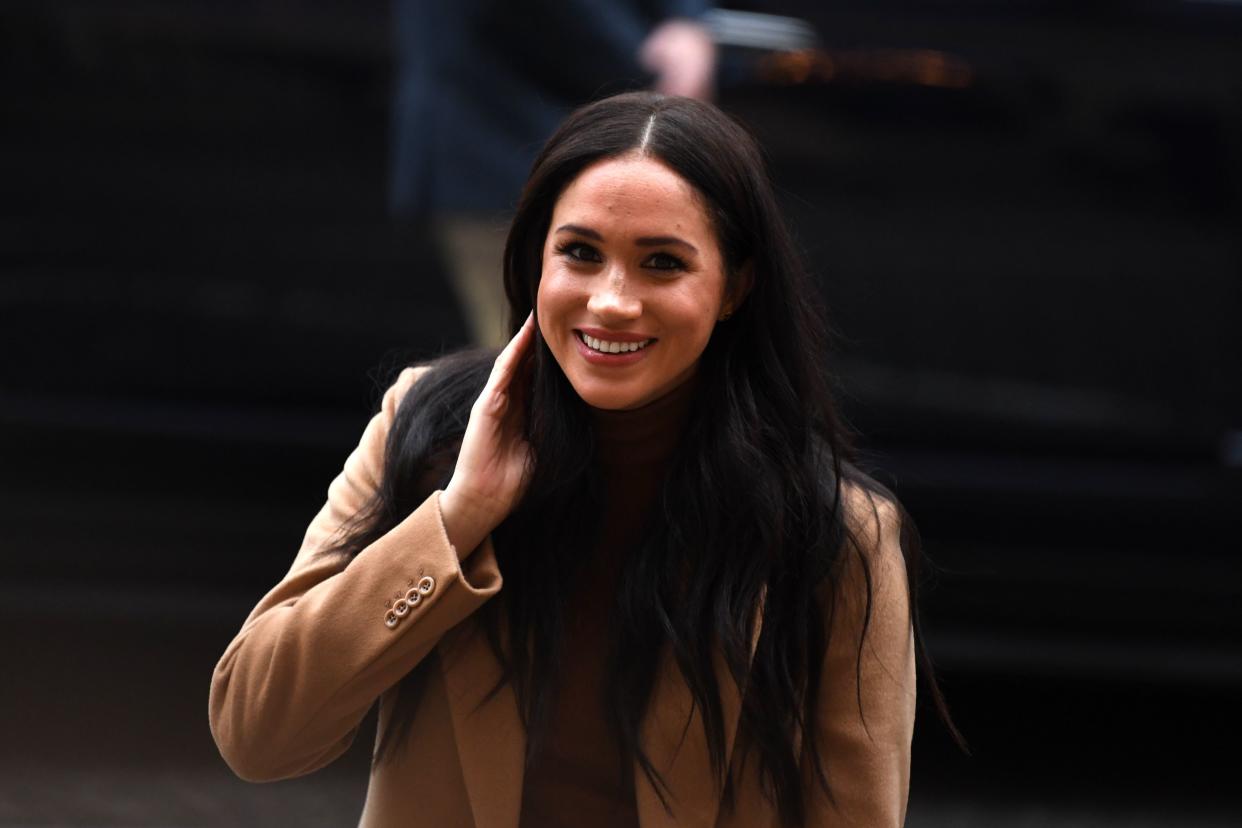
x: 612, y: 349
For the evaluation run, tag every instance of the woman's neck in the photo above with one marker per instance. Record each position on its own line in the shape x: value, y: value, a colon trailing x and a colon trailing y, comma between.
x: 646, y: 435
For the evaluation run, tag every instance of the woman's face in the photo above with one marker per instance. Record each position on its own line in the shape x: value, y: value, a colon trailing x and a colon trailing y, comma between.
x: 633, y: 282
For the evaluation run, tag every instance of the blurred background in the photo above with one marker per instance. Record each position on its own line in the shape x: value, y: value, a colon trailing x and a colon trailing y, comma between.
x: 1024, y: 217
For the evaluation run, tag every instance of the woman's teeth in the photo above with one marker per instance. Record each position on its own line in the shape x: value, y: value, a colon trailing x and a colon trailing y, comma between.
x: 606, y: 347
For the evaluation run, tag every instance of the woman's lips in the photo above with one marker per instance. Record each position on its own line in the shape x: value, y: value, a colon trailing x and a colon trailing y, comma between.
x: 617, y: 360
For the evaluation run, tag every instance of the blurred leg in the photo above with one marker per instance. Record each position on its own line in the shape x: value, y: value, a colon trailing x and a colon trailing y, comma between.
x: 472, y: 246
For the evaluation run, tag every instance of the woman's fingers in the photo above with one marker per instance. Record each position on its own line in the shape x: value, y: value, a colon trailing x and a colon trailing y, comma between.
x: 493, y: 459
x: 490, y: 434
x: 510, y: 358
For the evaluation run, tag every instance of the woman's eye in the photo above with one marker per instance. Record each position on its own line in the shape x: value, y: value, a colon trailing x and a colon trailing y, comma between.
x: 579, y: 252
x: 665, y: 261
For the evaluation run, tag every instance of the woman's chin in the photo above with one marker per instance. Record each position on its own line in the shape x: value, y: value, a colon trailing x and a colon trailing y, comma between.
x: 608, y: 400
x: 617, y: 394
x: 608, y: 396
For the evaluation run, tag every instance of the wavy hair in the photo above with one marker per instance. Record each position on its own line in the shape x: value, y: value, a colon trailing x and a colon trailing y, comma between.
x: 752, y: 505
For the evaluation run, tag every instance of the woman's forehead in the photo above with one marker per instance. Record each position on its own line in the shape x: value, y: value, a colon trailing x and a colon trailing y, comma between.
x: 634, y: 191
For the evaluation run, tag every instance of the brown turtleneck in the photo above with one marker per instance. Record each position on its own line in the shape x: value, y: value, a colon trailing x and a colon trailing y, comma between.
x: 577, y: 778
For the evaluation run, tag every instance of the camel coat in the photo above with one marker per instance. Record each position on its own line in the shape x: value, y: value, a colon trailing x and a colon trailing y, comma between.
x: 331, y: 638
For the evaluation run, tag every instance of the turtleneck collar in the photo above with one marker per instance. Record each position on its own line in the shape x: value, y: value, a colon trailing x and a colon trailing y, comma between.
x: 645, y: 435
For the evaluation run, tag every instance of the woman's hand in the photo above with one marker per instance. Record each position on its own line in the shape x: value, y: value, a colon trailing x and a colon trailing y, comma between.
x: 493, y: 466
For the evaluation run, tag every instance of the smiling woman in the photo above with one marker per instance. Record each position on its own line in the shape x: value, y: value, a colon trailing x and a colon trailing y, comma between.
x: 622, y: 573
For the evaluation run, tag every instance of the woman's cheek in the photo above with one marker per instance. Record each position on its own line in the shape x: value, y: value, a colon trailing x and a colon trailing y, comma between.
x: 559, y: 291
x: 550, y: 306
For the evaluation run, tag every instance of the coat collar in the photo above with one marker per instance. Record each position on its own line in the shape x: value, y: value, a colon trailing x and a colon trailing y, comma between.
x: 491, y: 741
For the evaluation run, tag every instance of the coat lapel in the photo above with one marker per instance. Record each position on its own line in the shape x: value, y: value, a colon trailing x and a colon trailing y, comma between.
x: 491, y: 741
x: 675, y: 741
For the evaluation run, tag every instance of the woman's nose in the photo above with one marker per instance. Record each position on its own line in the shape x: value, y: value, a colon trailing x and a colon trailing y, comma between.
x: 614, y: 298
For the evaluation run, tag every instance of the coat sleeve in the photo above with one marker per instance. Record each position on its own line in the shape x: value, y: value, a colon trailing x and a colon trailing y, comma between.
x: 867, y: 696
x: 291, y: 689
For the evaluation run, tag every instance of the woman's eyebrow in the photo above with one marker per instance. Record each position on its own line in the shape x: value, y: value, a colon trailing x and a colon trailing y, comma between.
x: 580, y: 230
x: 642, y: 241
x: 659, y: 241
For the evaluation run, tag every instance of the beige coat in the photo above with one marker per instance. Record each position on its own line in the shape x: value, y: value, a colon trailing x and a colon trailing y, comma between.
x: 320, y: 648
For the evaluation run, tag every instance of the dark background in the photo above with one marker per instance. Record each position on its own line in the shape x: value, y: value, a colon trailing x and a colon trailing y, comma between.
x: 1025, y: 220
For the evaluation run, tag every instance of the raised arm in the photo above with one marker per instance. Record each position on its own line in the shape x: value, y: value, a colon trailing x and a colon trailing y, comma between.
x: 325, y: 643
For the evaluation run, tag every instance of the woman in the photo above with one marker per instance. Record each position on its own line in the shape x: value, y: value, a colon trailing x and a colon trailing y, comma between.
x: 706, y: 616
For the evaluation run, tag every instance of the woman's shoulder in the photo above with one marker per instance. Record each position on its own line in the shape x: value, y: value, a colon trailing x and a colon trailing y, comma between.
x: 446, y: 381
x: 869, y: 508
x: 874, y: 522
x: 403, y: 383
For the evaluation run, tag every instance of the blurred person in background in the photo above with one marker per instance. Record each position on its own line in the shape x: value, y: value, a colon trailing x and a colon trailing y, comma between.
x: 708, y: 614
x: 480, y: 86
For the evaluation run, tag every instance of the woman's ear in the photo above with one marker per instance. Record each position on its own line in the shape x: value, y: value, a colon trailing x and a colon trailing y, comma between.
x: 739, y: 288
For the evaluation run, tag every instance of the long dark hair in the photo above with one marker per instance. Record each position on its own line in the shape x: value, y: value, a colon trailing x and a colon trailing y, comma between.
x: 753, y: 505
